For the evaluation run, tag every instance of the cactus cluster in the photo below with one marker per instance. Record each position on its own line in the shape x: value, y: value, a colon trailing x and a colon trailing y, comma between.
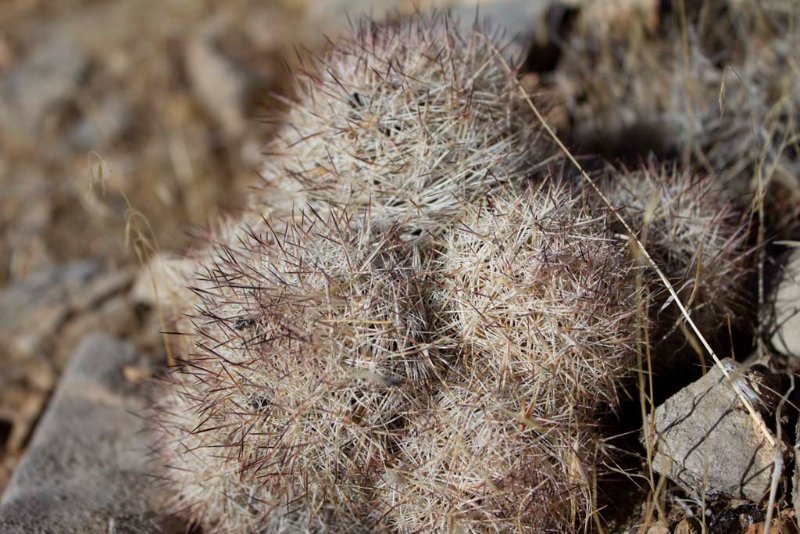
x: 537, y: 295
x: 312, y: 342
x: 428, y: 337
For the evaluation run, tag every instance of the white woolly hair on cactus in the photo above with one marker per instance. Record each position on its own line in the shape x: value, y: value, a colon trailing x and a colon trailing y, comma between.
x: 310, y: 344
x: 413, y: 119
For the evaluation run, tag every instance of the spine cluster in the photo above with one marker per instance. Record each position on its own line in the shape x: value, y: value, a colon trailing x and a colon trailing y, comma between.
x: 413, y: 121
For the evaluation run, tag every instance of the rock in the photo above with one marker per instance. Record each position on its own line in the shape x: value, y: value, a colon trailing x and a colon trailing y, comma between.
x: 517, y: 18
x: 268, y: 28
x: 26, y: 211
x: 147, y: 523
x: 103, y: 288
x: 618, y: 17
x: 158, y: 282
x: 103, y: 125
x: 70, y: 300
x: 20, y: 409
x: 334, y: 16
x: 41, y: 320
x: 86, y: 467
x: 707, y: 442
x: 137, y: 374
x: 659, y: 528
x: 785, y: 303
x: 39, y: 375
x: 34, y: 309
x: 118, y: 316
x: 71, y: 333
x: 520, y: 20
x: 149, y: 337
x: 685, y: 527
x: 39, y: 288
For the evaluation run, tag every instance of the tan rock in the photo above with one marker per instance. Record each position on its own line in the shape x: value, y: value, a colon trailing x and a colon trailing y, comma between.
x: 218, y: 85
x: 685, y: 527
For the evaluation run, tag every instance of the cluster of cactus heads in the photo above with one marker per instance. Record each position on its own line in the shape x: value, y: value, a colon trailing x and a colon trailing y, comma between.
x: 540, y: 293
x: 537, y: 296
x: 312, y: 342
x: 427, y: 339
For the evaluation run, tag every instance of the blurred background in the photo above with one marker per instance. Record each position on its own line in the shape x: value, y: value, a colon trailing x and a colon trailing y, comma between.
x: 141, y: 104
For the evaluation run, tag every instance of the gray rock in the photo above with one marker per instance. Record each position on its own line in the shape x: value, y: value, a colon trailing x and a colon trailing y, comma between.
x: 33, y: 309
x: 707, y: 442
x: 148, y: 523
x: 33, y: 312
x: 87, y: 463
x: 520, y: 20
x: 517, y: 18
x: 335, y: 15
x: 105, y: 123
x: 46, y: 287
x: 785, y: 304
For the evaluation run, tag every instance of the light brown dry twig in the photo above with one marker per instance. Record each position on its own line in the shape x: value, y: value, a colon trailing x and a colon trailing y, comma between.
x: 140, y: 237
